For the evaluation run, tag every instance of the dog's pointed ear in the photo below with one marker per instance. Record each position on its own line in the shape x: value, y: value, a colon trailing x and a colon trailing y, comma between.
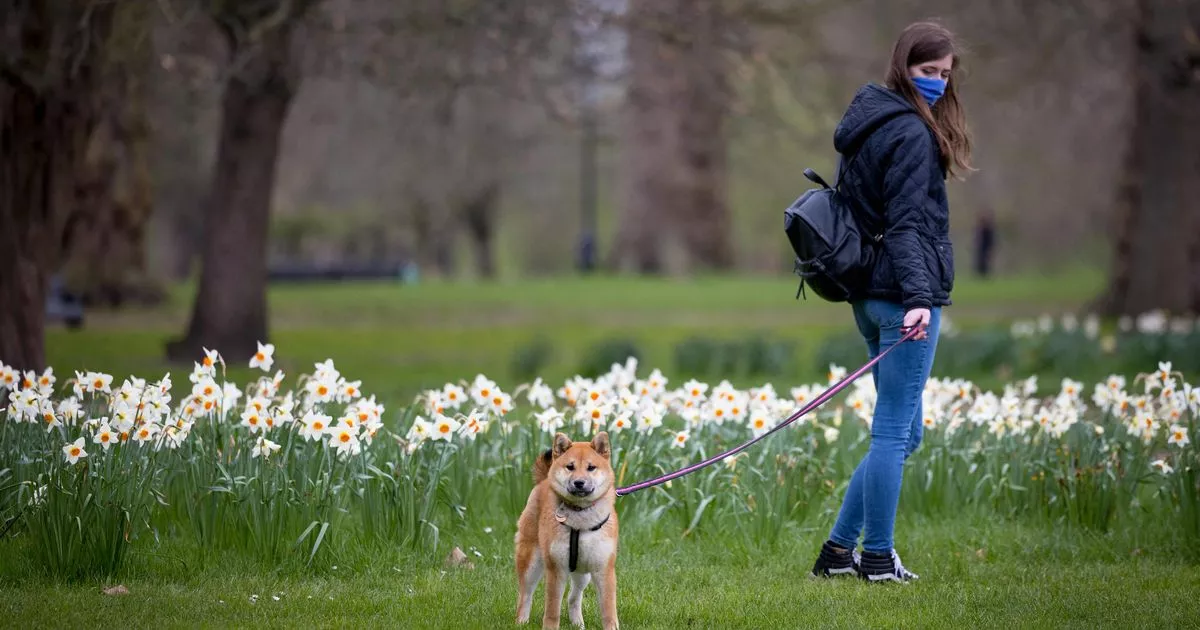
x: 561, y: 443
x: 600, y: 443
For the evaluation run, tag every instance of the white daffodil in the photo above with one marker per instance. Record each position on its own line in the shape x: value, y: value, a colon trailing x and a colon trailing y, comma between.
x: 482, y: 389
x: 104, y: 436
x: 499, y: 404
x: 345, y: 440
x: 695, y: 390
x: 348, y: 391
x: 420, y: 430
x: 760, y: 421
x: 264, y: 357
x: 649, y: 417
x: 453, y: 396
x: 145, y: 433
x: 263, y: 448
x: 98, y: 382
x: 1162, y: 466
x: 314, y: 426
x: 253, y: 419
x: 444, y: 428
x: 73, y: 452
x: 1178, y: 436
x: 550, y: 420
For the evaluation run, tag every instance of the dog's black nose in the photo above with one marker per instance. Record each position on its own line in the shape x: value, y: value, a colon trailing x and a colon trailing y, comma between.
x: 579, y: 483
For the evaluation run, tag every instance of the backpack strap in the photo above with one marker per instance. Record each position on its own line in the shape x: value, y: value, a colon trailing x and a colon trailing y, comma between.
x: 843, y: 165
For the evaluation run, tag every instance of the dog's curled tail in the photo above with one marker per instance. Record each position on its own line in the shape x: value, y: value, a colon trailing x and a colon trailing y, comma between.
x: 541, y: 467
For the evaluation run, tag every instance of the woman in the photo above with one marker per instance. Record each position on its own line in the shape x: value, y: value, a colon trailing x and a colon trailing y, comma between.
x: 900, y: 142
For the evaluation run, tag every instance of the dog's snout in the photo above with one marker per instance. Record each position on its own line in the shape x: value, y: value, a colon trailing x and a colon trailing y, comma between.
x: 579, y: 483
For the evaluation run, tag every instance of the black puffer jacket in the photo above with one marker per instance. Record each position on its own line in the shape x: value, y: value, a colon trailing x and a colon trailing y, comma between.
x: 897, y: 186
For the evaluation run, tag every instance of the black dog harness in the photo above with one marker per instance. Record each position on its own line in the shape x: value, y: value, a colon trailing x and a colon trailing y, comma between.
x: 573, y: 550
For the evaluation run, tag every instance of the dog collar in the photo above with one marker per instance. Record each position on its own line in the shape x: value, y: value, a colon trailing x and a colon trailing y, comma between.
x: 560, y: 513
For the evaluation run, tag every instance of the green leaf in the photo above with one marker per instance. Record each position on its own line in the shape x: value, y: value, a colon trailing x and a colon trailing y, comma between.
x: 317, y: 544
x: 699, y: 513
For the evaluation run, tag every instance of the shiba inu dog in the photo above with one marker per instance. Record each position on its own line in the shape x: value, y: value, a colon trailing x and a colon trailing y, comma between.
x: 568, y: 531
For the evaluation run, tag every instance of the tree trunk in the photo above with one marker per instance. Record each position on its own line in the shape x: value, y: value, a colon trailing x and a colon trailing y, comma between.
x: 22, y: 328
x: 704, y: 219
x: 1129, y: 189
x: 45, y: 120
x: 105, y: 252
x: 230, y: 310
x: 433, y: 237
x: 479, y: 213
x: 647, y: 139
x: 24, y: 171
x: 41, y: 139
x: 674, y: 128
x: 1156, y: 246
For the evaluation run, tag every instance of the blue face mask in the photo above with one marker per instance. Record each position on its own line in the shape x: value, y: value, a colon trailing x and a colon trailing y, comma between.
x: 930, y: 88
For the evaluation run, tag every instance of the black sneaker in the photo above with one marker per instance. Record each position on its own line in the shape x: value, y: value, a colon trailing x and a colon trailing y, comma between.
x: 834, y: 560
x: 881, y: 567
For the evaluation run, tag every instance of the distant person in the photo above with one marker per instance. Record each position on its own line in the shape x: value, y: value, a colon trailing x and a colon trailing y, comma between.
x: 985, y: 241
x: 899, y: 142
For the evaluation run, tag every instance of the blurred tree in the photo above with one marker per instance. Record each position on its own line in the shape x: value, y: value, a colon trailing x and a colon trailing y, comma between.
x: 1157, y: 233
x: 105, y: 245
x: 674, y: 136
x: 52, y: 58
x: 457, y: 70
x: 183, y: 104
x: 230, y: 309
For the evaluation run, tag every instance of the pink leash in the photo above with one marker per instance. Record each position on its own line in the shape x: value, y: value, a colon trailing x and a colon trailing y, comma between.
x: 816, y: 402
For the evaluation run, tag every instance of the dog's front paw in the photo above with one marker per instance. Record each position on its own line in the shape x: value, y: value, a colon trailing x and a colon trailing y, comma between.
x: 522, y: 619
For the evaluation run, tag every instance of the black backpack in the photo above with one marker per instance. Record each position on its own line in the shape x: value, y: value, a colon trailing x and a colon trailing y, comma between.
x: 832, y: 254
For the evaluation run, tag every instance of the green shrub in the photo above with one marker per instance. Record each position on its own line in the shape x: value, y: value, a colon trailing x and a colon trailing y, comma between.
x: 755, y: 356
x: 530, y: 360
x: 599, y: 357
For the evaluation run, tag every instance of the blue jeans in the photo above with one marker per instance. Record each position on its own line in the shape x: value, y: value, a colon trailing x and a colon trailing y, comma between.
x: 869, y: 506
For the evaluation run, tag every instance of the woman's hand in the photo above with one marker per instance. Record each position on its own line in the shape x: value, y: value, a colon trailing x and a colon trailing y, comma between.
x: 917, y: 317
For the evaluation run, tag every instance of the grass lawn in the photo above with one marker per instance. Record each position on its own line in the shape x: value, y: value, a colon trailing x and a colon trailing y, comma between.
x: 399, y: 339
x: 975, y: 572
x: 976, y: 568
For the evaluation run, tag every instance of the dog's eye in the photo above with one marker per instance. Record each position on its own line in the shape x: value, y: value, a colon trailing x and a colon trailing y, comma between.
x: 591, y: 467
x: 570, y: 466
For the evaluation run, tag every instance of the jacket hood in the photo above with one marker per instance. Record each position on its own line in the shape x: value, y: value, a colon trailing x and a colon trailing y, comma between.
x: 871, y: 106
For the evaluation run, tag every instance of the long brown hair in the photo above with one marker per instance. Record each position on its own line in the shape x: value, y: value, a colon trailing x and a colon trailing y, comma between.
x: 919, y: 43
